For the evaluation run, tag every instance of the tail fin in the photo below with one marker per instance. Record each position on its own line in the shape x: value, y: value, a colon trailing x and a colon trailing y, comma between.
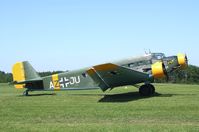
x: 23, y: 71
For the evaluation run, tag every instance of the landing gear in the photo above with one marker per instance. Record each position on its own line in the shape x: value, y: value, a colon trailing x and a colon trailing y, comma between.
x: 25, y: 93
x: 147, y: 90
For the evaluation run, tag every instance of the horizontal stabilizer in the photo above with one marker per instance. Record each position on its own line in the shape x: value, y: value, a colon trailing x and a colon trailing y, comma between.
x: 27, y: 81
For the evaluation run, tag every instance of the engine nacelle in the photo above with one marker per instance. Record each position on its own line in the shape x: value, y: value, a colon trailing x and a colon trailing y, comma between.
x: 182, y: 60
x: 158, y: 70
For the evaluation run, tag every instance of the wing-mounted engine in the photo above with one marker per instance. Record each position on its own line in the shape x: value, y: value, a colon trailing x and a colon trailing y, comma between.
x: 158, y: 70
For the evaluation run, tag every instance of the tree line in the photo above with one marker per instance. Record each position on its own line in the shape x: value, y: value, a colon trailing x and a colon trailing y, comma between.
x: 7, y: 77
x: 187, y: 76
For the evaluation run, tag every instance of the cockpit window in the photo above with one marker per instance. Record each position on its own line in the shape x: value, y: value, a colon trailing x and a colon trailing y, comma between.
x: 158, y: 56
x: 139, y: 63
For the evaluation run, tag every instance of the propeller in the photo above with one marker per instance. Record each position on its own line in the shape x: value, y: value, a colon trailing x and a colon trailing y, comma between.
x: 165, y: 72
x: 186, y: 59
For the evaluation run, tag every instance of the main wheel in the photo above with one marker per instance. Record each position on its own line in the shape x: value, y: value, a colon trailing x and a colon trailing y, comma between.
x: 152, y: 88
x: 147, y: 90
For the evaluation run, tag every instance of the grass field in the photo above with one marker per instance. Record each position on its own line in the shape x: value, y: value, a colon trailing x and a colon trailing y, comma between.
x: 173, y: 108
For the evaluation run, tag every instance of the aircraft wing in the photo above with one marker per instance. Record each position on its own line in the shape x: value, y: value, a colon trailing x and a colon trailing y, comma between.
x: 110, y: 75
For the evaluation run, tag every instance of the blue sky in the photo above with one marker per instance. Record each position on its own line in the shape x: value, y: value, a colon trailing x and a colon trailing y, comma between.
x: 62, y: 35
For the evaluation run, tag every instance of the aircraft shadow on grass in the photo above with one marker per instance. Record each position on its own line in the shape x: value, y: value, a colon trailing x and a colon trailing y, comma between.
x: 43, y: 94
x: 125, y: 97
x: 133, y: 96
x: 122, y: 97
x: 111, y: 98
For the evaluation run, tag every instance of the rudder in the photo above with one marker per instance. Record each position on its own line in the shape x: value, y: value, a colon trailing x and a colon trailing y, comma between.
x: 23, y: 71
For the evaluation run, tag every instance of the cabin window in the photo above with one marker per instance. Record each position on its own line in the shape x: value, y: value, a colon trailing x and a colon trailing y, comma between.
x: 113, y: 72
x: 132, y: 65
x: 158, y: 56
x: 140, y: 63
x: 147, y: 62
x: 84, y: 75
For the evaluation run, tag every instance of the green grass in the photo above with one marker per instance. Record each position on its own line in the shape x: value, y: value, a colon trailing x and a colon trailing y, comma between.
x: 174, y: 108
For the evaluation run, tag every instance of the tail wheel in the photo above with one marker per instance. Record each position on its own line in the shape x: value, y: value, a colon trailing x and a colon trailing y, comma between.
x: 147, y: 90
x: 25, y: 93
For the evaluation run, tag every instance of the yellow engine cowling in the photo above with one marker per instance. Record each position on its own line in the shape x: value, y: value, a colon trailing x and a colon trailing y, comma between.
x: 182, y: 60
x: 158, y: 70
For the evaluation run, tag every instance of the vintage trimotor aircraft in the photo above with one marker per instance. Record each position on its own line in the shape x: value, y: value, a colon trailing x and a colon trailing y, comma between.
x: 131, y: 71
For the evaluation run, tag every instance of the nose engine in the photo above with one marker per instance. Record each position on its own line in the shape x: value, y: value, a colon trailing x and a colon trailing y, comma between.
x: 175, y: 62
x: 182, y: 60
